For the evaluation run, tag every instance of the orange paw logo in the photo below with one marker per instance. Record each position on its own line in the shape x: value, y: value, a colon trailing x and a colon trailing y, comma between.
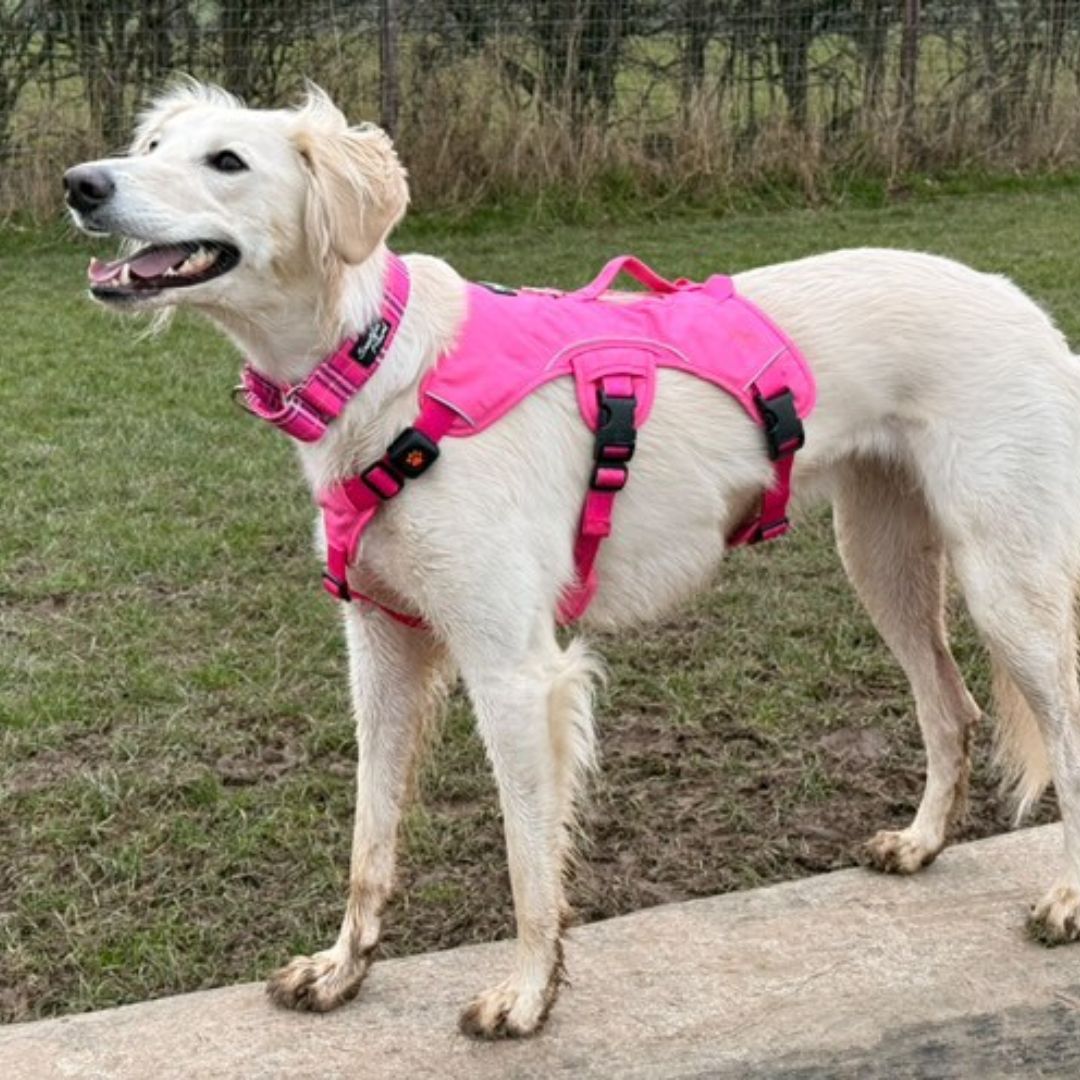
x: 414, y: 459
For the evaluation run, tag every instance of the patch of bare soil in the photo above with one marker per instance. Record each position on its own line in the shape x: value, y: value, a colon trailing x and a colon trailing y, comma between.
x: 54, y: 765
x: 263, y: 764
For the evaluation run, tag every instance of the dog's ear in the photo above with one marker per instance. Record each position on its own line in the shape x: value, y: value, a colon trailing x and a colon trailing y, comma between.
x: 356, y: 186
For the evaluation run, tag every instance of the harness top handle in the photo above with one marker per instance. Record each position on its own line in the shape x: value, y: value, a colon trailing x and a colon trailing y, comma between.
x: 628, y: 264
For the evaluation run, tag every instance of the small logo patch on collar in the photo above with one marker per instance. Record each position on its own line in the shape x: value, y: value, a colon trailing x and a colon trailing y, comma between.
x: 366, y: 350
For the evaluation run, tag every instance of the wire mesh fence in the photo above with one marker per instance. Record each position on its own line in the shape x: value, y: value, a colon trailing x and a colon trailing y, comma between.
x: 488, y: 97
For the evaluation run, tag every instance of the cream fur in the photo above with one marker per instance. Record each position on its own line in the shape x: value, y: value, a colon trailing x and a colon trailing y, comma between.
x: 948, y: 428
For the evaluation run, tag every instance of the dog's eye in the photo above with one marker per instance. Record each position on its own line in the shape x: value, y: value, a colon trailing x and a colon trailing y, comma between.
x: 152, y: 145
x: 226, y: 161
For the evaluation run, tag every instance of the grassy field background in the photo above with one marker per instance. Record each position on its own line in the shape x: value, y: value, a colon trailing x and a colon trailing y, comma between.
x: 175, y: 746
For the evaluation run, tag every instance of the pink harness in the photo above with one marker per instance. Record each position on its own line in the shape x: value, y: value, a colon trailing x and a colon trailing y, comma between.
x: 514, y: 342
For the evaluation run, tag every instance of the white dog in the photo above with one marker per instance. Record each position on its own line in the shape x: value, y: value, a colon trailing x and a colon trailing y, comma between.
x: 947, y: 427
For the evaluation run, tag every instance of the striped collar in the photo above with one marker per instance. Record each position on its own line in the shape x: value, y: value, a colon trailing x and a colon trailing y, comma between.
x: 306, y: 409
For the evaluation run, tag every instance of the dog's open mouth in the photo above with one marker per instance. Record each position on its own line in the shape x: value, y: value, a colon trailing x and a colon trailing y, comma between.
x: 159, y: 267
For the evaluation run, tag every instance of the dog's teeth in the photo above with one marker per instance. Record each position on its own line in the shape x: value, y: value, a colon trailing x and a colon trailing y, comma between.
x: 125, y: 274
x: 196, y: 263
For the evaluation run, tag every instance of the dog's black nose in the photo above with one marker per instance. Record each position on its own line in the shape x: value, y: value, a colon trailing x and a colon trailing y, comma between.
x: 87, y: 187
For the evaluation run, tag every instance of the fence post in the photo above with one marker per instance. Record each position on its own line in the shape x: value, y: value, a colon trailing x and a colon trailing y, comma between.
x: 909, y: 72
x: 389, y: 88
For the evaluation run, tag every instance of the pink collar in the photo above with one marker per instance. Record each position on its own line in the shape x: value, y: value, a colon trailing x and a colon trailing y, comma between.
x: 307, y: 409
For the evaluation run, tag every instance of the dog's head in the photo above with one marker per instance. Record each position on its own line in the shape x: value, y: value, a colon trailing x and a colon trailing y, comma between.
x: 221, y: 205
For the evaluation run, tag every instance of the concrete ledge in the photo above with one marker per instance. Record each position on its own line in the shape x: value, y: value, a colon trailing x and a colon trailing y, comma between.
x: 844, y: 974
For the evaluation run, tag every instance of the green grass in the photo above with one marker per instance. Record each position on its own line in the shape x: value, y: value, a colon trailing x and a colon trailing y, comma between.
x: 175, y: 749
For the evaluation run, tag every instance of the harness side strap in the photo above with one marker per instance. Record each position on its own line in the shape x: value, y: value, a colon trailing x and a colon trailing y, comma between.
x: 358, y: 499
x: 616, y: 436
x: 783, y: 437
x: 771, y: 521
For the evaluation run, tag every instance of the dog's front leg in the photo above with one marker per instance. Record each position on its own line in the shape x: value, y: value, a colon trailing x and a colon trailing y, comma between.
x: 395, y: 678
x: 534, y: 716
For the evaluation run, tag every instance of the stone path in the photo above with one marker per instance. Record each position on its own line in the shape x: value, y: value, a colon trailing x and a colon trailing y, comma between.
x: 848, y: 974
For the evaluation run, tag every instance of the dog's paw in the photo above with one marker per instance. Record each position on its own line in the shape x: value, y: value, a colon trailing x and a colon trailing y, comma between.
x: 1055, y: 919
x: 508, y: 1012
x: 897, y: 852
x: 316, y: 983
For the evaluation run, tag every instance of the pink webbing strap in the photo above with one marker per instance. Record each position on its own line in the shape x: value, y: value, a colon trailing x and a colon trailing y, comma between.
x: 306, y: 410
x: 646, y: 275
x: 349, y: 507
x: 609, y: 477
x: 610, y: 472
x: 784, y: 436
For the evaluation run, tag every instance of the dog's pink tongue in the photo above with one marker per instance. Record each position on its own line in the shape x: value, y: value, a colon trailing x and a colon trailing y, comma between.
x: 151, y: 263
x: 100, y: 272
x: 154, y: 263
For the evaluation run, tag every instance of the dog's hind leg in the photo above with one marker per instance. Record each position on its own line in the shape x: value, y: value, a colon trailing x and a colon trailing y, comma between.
x: 1021, y: 598
x: 896, y: 561
x: 395, y: 676
x: 534, y: 715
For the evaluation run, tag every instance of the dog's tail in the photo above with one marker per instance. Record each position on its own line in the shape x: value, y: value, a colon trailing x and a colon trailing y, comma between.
x: 1019, y: 747
x: 570, y: 719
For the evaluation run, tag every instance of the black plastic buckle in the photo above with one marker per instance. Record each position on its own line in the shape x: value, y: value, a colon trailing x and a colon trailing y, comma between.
x: 412, y: 453
x: 783, y: 428
x: 615, y: 429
